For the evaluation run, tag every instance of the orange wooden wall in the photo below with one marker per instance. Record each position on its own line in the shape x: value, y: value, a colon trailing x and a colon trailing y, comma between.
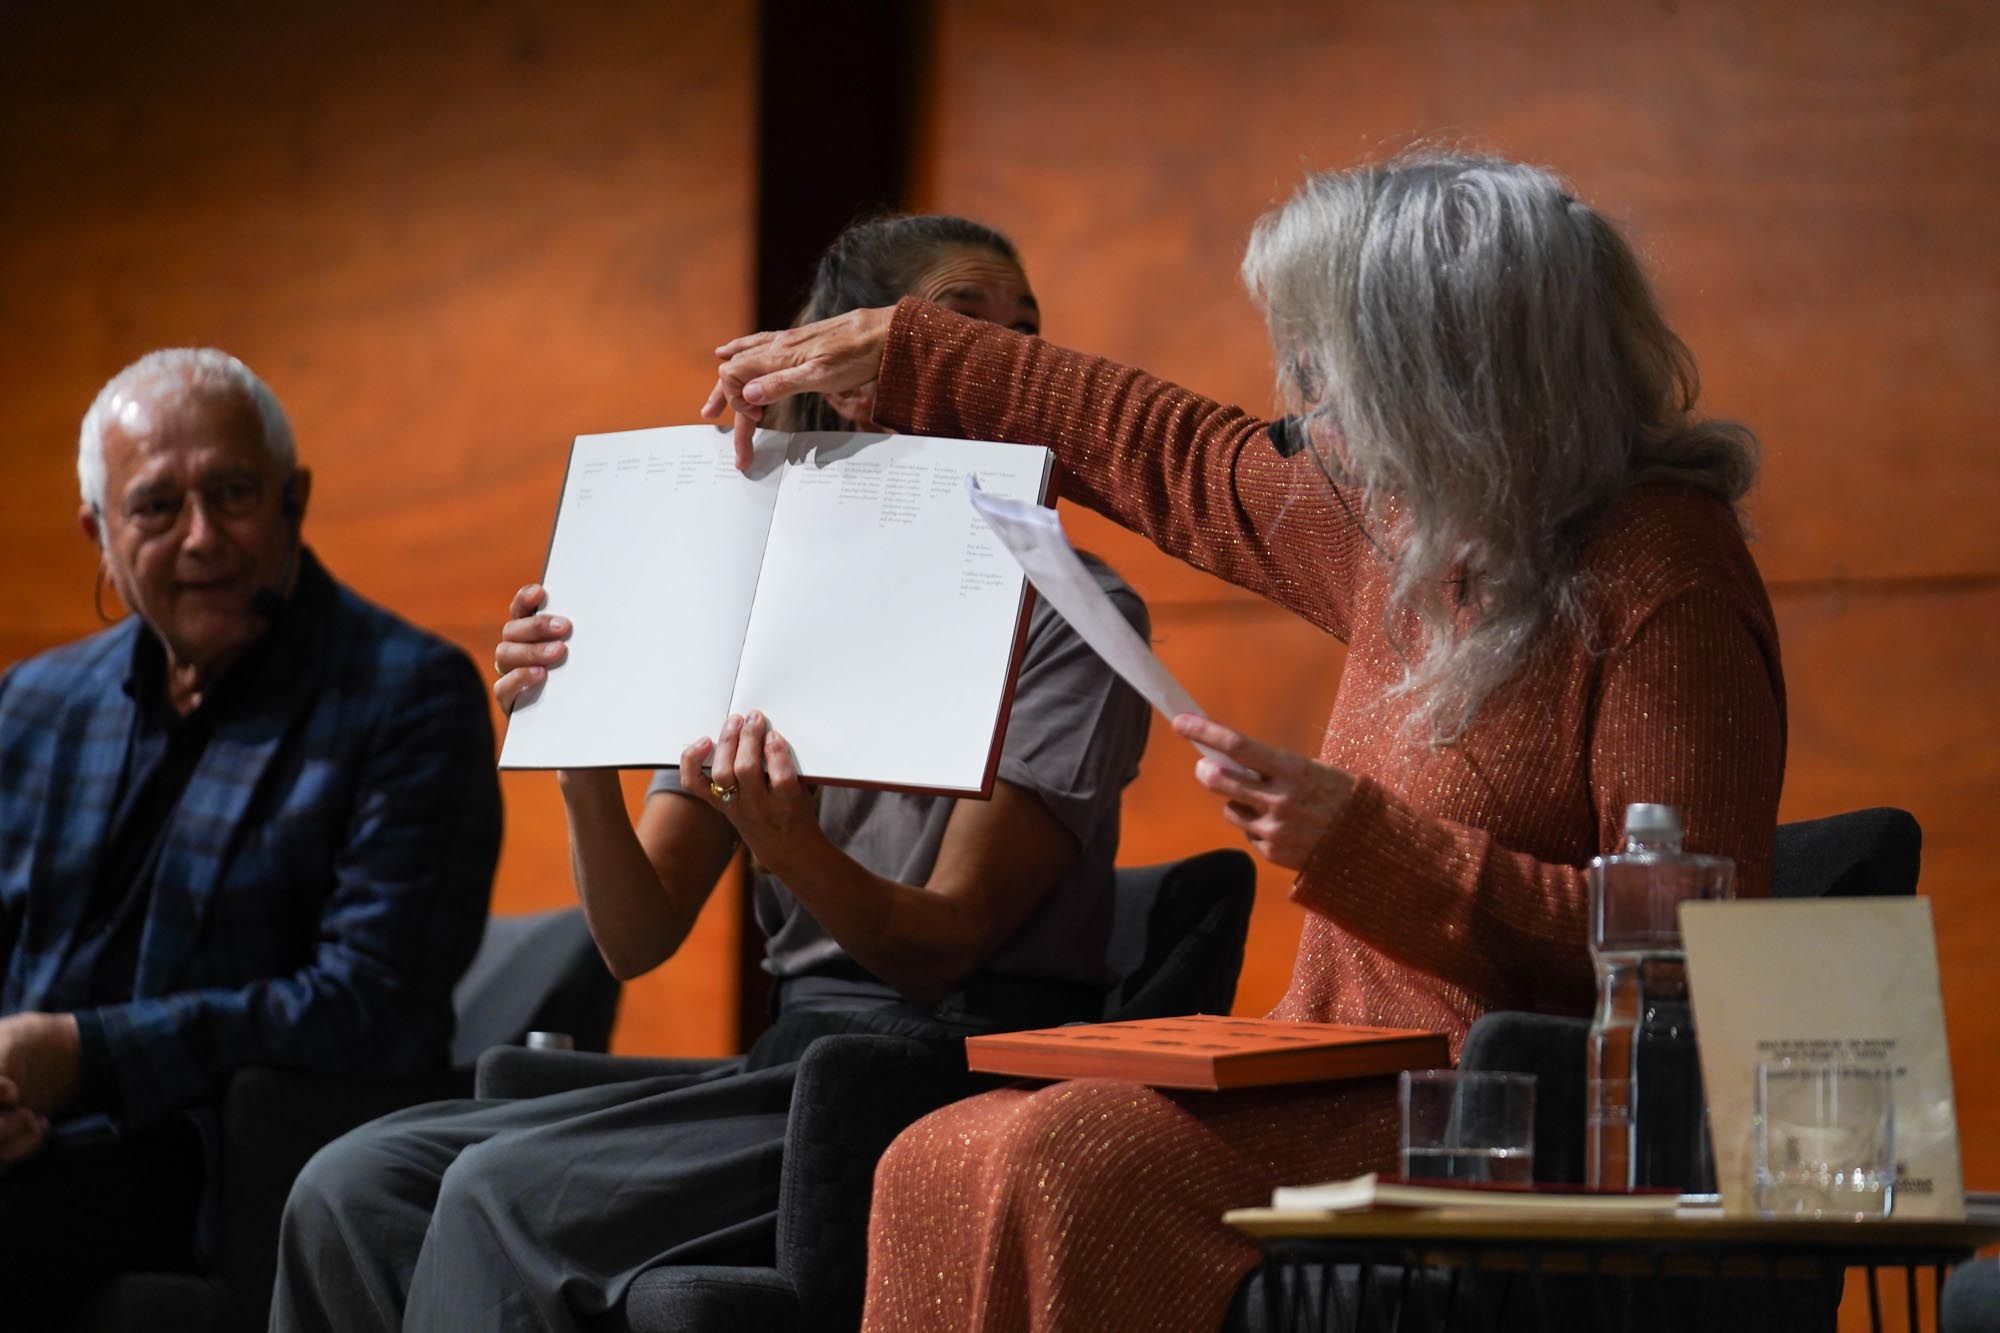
x: 451, y: 236
x: 1810, y: 185
x: 452, y: 239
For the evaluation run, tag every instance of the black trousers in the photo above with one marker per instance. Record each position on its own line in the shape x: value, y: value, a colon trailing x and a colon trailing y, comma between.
x: 77, y: 1213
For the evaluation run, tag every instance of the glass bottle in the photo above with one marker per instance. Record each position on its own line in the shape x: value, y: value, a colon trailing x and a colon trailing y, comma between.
x: 1645, y: 1114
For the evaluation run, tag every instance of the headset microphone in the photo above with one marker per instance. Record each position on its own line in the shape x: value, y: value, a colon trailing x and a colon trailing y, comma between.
x: 266, y: 603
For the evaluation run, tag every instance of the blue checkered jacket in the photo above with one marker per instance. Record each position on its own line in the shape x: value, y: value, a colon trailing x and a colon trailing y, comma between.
x: 322, y: 883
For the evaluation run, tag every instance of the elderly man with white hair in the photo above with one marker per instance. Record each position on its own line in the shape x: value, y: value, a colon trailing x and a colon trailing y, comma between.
x: 253, y: 822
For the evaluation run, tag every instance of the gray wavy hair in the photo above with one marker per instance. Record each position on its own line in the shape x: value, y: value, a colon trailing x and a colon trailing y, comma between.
x: 1481, y: 356
x: 203, y: 370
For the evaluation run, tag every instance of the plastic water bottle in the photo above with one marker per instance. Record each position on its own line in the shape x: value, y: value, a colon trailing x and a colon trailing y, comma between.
x: 1645, y: 1114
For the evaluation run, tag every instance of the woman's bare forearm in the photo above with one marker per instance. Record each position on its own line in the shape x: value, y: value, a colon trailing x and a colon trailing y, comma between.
x: 641, y: 897
x: 921, y: 942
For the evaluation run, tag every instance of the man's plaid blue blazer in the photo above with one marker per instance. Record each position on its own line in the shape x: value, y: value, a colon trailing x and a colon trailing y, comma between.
x: 322, y: 883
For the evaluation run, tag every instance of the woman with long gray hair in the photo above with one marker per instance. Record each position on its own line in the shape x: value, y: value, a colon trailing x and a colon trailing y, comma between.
x: 1494, y: 487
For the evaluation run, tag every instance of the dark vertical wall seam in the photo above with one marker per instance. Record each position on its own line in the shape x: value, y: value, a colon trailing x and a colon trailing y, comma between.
x: 837, y: 100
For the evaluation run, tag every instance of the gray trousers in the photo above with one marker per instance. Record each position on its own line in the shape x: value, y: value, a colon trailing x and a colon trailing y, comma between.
x: 538, y: 1213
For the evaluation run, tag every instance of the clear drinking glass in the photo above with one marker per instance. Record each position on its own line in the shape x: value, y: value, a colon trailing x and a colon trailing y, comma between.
x: 1468, y: 1127
x: 1826, y: 1140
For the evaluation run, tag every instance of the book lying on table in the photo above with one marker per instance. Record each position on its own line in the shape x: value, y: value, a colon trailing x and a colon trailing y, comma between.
x: 1372, y: 1191
x: 1207, y: 1051
x: 843, y: 587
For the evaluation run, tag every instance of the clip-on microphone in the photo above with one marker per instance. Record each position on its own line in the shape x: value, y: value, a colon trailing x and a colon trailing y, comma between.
x: 1288, y: 435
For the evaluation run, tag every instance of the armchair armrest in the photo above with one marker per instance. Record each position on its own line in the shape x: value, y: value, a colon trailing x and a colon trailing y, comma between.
x: 713, y: 1299
x: 1551, y: 1047
x: 855, y: 1093
x: 517, y: 1071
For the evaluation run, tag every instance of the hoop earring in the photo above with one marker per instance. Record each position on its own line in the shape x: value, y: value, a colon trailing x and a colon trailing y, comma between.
x: 97, y: 597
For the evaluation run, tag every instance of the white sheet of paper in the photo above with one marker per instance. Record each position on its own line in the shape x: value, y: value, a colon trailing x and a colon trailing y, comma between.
x: 1033, y: 535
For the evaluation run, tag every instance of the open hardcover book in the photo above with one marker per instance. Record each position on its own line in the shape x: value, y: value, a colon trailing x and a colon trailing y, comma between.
x: 1207, y: 1051
x: 844, y: 587
x: 1372, y: 1191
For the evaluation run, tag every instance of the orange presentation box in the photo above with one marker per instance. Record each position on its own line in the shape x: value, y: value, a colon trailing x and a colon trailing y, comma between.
x: 1207, y: 1051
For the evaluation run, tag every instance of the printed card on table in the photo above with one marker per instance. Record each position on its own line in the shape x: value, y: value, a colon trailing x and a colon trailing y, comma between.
x: 1838, y: 981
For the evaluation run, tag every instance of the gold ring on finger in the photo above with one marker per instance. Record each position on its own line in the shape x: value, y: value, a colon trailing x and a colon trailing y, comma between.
x: 721, y: 793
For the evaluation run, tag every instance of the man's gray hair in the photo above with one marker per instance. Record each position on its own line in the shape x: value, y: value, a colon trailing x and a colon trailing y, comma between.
x: 203, y: 370
x: 1482, y: 359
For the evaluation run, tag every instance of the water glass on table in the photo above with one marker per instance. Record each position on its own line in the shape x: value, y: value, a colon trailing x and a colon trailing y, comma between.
x: 1476, y: 1128
x: 1826, y: 1140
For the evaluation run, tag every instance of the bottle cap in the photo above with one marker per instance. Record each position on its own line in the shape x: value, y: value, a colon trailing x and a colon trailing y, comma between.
x: 1645, y: 822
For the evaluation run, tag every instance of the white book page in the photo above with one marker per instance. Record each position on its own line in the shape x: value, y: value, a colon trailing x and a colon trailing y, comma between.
x: 885, y: 621
x: 654, y: 561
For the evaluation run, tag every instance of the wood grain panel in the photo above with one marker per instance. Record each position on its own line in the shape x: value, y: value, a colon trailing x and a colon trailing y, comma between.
x: 450, y: 237
x: 1892, y: 704
x: 1797, y: 177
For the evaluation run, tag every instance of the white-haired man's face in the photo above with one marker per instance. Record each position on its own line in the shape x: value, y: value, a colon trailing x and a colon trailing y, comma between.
x: 195, y: 518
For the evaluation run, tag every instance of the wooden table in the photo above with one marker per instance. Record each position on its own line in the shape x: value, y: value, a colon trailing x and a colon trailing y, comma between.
x: 1489, y: 1270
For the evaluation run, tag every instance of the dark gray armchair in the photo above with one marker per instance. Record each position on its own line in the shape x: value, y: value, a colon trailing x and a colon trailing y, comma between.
x: 1972, y: 1299
x: 1178, y: 937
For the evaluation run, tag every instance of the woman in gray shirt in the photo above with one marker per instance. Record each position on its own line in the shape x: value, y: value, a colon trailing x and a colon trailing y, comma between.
x: 882, y: 912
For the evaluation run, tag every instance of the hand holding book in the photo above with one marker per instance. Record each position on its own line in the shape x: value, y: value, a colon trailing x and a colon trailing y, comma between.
x: 530, y: 643
x: 839, y: 357
x: 753, y: 782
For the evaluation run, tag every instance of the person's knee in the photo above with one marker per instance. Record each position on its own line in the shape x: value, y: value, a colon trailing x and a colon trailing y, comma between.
x: 357, y: 1166
x: 1071, y: 1141
x: 939, y: 1141
x: 474, y: 1186
x: 1044, y: 1153
x: 1081, y: 1118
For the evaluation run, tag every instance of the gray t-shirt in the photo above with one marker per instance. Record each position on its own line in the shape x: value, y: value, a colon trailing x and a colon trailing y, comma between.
x: 1073, y: 740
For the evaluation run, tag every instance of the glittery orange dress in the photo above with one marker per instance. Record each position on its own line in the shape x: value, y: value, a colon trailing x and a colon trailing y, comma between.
x: 1449, y: 884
